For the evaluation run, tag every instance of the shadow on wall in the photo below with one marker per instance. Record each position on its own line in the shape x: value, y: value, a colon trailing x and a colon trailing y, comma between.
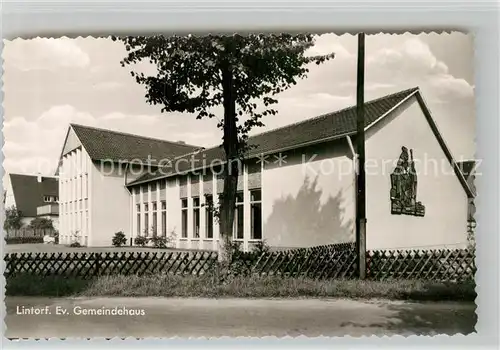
x: 304, y: 222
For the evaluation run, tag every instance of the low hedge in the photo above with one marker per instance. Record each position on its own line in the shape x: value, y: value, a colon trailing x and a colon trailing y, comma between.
x: 23, y: 240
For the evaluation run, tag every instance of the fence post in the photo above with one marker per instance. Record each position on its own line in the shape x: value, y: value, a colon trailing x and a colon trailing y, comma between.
x: 97, y: 264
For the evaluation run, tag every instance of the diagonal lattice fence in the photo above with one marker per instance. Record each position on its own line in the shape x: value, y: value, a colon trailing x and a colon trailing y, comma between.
x: 329, y: 261
x: 118, y: 263
x: 325, y: 262
x: 437, y: 265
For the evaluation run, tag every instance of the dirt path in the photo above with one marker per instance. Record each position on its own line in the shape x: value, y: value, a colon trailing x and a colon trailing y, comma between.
x: 234, y: 317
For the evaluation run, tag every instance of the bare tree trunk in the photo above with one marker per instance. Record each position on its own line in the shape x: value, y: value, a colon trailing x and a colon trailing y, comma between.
x: 230, y: 172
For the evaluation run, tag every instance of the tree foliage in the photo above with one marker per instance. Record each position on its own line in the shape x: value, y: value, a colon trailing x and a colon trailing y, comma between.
x: 13, y: 218
x: 190, y: 71
x: 196, y: 74
x: 42, y: 223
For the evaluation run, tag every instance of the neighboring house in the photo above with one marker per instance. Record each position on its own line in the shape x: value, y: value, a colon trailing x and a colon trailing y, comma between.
x: 469, y: 168
x: 35, y: 196
x: 296, y: 189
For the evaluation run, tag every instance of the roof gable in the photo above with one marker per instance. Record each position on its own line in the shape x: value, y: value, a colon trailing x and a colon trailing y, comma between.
x: 71, y: 142
x: 102, y: 144
x: 29, y: 193
x: 458, y: 172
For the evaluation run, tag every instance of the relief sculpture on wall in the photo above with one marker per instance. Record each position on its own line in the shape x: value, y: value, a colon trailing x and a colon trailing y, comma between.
x: 404, y: 186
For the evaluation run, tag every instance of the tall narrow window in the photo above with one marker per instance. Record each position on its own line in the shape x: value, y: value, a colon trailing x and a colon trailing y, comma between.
x: 256, y: 214
x: 146, y: 219
x: 155, y: 219
x: 209, y: 216
x: 196, y: 217
x: 238, y: 216
x: 164, y: 218
x: 138, y: 219
x: 87, y: 228
x: 184, y: 205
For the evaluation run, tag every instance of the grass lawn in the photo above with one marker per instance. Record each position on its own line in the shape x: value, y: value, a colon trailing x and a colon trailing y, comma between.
x: 238, y: 287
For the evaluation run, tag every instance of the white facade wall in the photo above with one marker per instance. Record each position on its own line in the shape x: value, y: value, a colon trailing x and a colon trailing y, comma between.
x: 438, y: 188
x: 308, y: 200
x: 74, y: 197
x: 110, y: 202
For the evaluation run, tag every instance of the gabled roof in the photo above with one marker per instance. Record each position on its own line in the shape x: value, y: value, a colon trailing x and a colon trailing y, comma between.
x: 102, y: 144
x: 323, y: 128
x: 29, y: 193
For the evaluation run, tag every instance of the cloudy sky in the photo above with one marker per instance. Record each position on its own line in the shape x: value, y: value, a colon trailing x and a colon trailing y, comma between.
x: 49, y: 83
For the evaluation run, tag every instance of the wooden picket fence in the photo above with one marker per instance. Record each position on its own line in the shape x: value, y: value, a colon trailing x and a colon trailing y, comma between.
x: 28, y: 232
x: 326, y: 262
x: 27, y: 235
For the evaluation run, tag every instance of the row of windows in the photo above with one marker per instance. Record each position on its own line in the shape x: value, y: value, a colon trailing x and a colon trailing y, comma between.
x: 50, y: 199
x: 154, y: 227
x: 239, y: 217
x: 76, y: 221
x: 75, y: 188
x: 143, y: 211
x: 209, y: 222
x: 161, y: 185
x: 74, y: 163
x: 73, y: 206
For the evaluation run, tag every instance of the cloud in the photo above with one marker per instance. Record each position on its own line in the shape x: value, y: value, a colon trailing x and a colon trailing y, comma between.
x: 412, y: 63
x: 33, y: 146
x: 107, y: 85
x: 104, y: 95
x: 327, y: 44
x: 45, y: 54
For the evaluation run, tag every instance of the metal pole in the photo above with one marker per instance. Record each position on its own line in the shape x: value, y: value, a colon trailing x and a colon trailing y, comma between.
x: 360, y: 141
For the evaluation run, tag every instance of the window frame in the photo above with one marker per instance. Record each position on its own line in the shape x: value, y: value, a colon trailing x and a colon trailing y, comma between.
x: 239, y: 210
x: 196, y: 217
x: 209, y: 216
x: 184, y: 218
x: 255, y: 203
x: 163, y: 206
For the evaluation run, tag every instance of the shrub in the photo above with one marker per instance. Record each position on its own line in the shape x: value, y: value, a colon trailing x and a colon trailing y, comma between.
x: 41, y: 224
x: 119, y: 239
x: 159, y: 242
x: 261, y: 247
x: 141, y: 241
x: 13, y: 219
x: 75, y: 239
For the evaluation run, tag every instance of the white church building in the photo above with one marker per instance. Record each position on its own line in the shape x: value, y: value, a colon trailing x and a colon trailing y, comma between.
x: 296, y: 187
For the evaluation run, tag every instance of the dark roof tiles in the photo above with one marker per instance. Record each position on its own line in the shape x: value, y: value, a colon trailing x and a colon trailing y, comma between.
x: 326, y: 126
x: 103, y: 144
x: 29, y: 193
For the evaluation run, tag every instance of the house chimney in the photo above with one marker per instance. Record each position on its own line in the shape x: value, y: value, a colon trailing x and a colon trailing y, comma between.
x: 39, y: 177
